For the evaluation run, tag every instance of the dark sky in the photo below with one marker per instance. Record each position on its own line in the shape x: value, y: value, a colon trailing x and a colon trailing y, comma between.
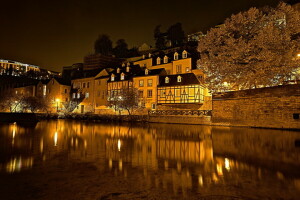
x: 56, y: 33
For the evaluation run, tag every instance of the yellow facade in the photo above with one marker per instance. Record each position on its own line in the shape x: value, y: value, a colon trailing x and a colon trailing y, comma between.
x: 100, y: 94
x: 57, y: 94
x: 85, y: 87
x: 147, y: 87
x: 182, y: 66
x: 144, y: 62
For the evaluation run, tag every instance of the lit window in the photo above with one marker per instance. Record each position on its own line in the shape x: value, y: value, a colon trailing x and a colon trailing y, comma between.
x: 143, y: 56
x: 87, y: 95
x: 149, y: 83
x: 74, y: 95
x: 175, y: 56
x: 166, y: 59
x: 184, y: 54
x: 78, y: 95
x: 187, y: 69
x: 149, y: 93
x: 112, y: 78
x: 179, y: 78
x: 122, y: 76
x: 118, y: 70
x: 158, y: 60
x: 167, y: 79
x: 149, y: 55
x: 141, y: 83
x: 146, y: 71
x: 123, y: 65
x: 127, y: 69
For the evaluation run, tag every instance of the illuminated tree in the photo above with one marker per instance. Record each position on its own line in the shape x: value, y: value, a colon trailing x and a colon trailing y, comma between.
x: 35, y: 104
x: 252, y: 49
x: 103, y: 45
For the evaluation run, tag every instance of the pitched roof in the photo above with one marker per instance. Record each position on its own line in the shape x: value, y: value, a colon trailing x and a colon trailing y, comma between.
x: 186, y: 79
x: 134, y: 70
x: 152, y: 72
x: 86, y: 73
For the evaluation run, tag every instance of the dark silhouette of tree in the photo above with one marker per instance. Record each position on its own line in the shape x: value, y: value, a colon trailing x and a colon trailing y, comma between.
x: 159, y: 38
x: 176, y: 35
x: 121, y: 49
x: 103, y: 45
x: 133, y: 52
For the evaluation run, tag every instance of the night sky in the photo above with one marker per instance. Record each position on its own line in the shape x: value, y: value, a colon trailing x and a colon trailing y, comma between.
x: 56, y: 33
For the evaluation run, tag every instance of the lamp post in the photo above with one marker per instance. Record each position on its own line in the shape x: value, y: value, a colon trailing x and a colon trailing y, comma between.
x: 57, y: 102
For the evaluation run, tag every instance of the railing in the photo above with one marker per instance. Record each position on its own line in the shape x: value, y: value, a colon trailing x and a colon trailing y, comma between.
x: 180, y: 112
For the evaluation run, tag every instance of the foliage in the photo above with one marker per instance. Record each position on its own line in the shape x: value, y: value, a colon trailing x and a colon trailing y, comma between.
x: 176, y: 35
x: 35, y: 103
x: 159, y: 38
x: 126, y: 99
x: 103, y: 45
x: 252, y: 49
x: 121, y: 49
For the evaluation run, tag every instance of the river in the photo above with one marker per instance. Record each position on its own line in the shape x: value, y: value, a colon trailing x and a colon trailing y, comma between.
x: 65, y: 159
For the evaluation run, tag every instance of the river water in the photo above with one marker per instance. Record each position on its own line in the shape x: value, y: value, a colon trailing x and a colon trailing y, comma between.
x: 64, y: 159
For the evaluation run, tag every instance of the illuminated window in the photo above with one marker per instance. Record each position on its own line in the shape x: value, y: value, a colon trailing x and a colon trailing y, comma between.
x: 149, y: 93
x: 149, y: 55
x: 143, y: 56
x: 149, y: 83
x: 123, y: 65
x: 158, y: 60
x: 74, y: 95
x: 146, y: 71
x: 78, y: 95
x: 87, y: 95
x: 141, y: 83
x: 127, y: 69
x: 166, y: 59
x: 167, y: 79
x: 112, y: 78
x: 175, y: 56
x: 118, y: 70
x: 184, y: 54
x: 44, y: 90
x: 179, y: 78
x: 187, y: 69
x: 122, y: 76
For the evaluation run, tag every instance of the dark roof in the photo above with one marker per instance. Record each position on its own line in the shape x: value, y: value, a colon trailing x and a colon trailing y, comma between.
x: 134, y: 70
x: 63, y: 81
x: 186, y: 79
x: 151, y: 72
x: 86, y: 73
x: 102, y: 77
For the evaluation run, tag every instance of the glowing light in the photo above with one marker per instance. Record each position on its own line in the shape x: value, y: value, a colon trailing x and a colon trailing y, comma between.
x: 227, y: 164
x: 219, y: 170
x: 200, y: 180
x: 55, y: 138
x: 57, y: 100
x: 110, y: 163
x: 120, y: 165
x: 298, y: 55
x: 119, y: 145
x: 41, y: 145
x: 17, y: 164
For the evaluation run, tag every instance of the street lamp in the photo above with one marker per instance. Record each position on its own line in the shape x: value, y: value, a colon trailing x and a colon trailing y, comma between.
x: 57, y: 102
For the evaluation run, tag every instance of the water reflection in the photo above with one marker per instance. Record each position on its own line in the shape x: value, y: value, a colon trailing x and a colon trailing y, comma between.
x: 179, y: 159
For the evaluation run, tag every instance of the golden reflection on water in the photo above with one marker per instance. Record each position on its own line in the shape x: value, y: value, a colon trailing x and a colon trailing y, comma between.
x: 185, y: 156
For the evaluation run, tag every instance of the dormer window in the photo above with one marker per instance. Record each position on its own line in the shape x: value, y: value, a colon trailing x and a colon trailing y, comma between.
x: 149, y: 55
x: 166, y: 59
x: 122, y: 76
x: 179, y: 78
x: 143, y: 56
x: 146, y: 71
x: 118, y: 70
x: 128, y: 64
x: 158, y: 61
x: 112, y: 78
x: 127, y: 69
x: 123, y: 65
x: 184, y: 54
x: 167, y: 80
x: 175, y: 56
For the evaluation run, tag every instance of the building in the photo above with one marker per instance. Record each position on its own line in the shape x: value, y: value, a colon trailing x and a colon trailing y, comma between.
x: 15, y: 68
x: 99, y: 61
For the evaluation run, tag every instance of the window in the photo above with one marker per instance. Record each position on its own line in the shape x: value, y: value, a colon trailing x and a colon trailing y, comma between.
x: 178, y: 69
x: 167, y: 79
x: 123, y: 65
x: 118, y: 70
x: 127, y: 69
x: 44, y: 90
x: 146, y: 71
x: 67, y: 99
x: 162, y: 93
x: 145, y: 64
x: 175, y: 56
x: 153, y: 106
x: 122, y: 76
x: 141, y: 83
x: 83, y: 85
x: 179, y: 78
x: 184, y: 54
x: 74, y: 95
x: 99, y: 82
x: 149, y: 55
x: 143, y: 56
x: 166, y: 59
x: 87, y: 95
x: 66, y: 91
x: 103, y: 94
x: 149, y: 93
x: 158, y: 60
x: 141, y: 93
x: 187, y: 69
x: 112, y: 78
x: 88, y: 84
x: 149, y: 82
x: 296, y: 115
x: 78, y: 95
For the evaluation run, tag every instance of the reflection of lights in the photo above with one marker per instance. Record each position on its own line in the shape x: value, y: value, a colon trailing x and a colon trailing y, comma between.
x: 85, y: 144
x: 227, y: 164
x: 120, y: 165
x: 219, y: 169
x: 166, y: 165
x: 55, y: 138
x: 110, y: 163
x: 280, y: 176
x: 41, y: 145
x: 200, y: 180
x: 119, y: 145
x: 215, y: 177
x: 16, y: 164
x: 178, y: 166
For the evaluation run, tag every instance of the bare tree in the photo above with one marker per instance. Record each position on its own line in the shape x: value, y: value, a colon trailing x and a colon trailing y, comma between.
x: 252, y: 49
